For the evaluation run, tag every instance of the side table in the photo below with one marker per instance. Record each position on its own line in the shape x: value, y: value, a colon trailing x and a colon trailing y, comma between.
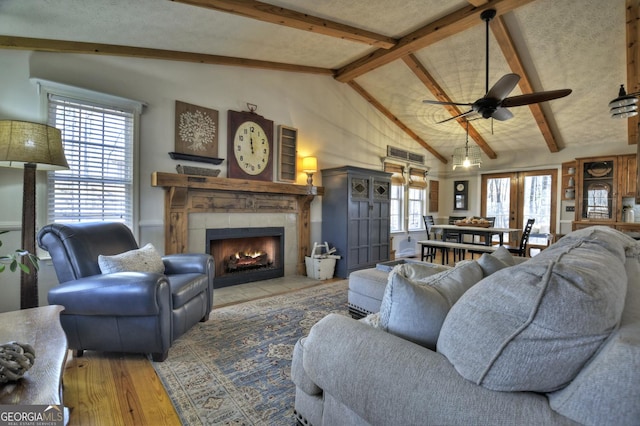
x: 39, y: 327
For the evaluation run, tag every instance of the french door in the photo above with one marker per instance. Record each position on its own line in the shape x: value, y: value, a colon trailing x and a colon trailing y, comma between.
x: 512, y: 198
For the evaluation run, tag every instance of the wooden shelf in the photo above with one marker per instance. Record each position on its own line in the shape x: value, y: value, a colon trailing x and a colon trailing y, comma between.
x: 168, y: 180
x: 566, y: 176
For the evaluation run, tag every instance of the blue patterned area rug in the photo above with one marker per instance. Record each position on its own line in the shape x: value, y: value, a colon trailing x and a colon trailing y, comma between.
x: 235, y: 369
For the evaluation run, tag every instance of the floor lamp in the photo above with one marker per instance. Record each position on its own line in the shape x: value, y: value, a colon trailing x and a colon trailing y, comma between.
x: 30, y: 145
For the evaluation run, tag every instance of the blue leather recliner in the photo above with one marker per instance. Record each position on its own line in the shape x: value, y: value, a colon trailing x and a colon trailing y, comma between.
x: 139, y: 312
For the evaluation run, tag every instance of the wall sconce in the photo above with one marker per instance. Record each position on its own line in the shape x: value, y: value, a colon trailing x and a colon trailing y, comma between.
x: 310, y: 166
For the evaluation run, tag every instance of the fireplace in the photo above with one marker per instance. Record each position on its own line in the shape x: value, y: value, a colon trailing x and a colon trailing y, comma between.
x: 244, y: 255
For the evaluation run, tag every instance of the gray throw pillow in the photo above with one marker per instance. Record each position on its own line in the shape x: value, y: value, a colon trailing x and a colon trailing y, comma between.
x: 532, y: 327
x: 144, y: 259
x: 499, y: 259
x: 415, y: 310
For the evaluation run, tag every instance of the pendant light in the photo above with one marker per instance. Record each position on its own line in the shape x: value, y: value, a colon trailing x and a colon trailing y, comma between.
x: 467, y: 156
x: 625, y: 105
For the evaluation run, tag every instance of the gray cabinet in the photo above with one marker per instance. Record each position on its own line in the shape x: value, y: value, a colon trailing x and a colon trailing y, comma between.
x: 355, y: 216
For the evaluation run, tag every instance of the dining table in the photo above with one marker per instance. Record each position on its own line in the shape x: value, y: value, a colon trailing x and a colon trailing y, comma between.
x: 487, y: 232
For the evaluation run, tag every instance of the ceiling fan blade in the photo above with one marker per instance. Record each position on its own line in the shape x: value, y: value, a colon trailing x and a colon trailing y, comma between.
x: 503, y: 87
x: 502, y: 114
x: 534, y: 98
x: 427, y: 101
x: 456, y: 116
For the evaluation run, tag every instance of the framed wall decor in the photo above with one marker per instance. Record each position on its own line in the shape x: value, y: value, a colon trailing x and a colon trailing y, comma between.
x: 196, y: 130
x: 461, y: 195
x: 287, y: 153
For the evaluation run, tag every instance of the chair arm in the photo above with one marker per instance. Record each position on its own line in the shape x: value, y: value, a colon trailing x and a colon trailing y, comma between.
x: 119, y: 294
x: 188, y: 263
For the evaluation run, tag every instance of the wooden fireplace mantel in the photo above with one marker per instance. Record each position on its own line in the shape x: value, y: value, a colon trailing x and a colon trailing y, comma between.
x: 186, y: 194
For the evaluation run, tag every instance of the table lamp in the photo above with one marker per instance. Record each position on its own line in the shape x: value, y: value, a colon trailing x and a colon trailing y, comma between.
x: 29, y: 145
x: 310, y: 166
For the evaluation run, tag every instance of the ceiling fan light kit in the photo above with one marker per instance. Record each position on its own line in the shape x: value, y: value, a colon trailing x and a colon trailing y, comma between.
x: 625, y: 105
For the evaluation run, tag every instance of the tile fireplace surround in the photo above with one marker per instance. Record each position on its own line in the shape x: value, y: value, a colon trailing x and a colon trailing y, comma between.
x: 193, y: 203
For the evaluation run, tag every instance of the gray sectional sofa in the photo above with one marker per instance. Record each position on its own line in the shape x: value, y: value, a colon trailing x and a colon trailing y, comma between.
x: 552, y: 340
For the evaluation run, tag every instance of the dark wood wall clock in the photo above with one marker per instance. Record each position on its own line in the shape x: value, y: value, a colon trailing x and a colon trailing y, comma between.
x: 249, y: 145
x: 460, y: 194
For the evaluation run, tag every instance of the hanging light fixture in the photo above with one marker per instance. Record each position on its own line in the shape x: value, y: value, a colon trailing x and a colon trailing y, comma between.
x: 625, y: 105
x: 467, y: 156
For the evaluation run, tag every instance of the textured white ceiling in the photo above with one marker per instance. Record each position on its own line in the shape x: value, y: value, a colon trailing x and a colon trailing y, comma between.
x: 577, y: 44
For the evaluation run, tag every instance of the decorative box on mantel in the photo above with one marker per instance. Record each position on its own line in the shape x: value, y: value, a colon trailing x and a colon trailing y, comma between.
x: 186, y: 194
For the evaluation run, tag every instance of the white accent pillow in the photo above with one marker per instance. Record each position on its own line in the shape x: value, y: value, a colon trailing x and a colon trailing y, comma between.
x: 144, y: 259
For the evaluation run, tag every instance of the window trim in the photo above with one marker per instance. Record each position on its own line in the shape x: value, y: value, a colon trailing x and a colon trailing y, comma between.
x: 47, y: 87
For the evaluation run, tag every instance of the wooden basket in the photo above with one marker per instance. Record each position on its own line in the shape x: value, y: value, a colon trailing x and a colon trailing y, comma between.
x: 474, y: 225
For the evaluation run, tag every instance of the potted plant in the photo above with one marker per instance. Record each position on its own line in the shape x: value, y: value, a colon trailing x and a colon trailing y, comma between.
x: 14, y: 260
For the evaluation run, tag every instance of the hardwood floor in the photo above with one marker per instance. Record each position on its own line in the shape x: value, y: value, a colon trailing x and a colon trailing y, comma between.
x: 114, y: 389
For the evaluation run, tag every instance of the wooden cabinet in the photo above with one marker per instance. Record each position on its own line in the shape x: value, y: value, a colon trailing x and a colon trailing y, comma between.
x: 601, y: 185
x: 568, y: 180
x: 355, y: 216
x: 628, y: 171
x: 597, y: 189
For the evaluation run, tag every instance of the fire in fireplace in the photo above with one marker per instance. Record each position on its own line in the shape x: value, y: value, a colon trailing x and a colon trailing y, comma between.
x: 250, y: 259
x: 244, y: 255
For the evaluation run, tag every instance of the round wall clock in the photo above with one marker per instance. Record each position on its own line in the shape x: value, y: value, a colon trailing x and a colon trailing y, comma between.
x: 250, y: 146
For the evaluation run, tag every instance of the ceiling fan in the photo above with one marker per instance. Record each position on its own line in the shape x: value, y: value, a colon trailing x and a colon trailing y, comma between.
x: 495, y: 102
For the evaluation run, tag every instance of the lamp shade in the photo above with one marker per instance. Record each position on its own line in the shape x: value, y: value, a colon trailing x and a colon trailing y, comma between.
x: 23, y: 142
x: 309, y: 164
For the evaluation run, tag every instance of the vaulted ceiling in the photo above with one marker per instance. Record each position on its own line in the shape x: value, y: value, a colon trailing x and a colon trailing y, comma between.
x: 395, y: 53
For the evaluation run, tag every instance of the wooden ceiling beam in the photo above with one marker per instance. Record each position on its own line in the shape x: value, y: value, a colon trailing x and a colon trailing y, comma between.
x: 46, y: 45
x: 355, y: 86
x: 290, y: 18
x: 425, y: 77
x: 454, y: 23
x: 501, y: 33
x: 633, y: 63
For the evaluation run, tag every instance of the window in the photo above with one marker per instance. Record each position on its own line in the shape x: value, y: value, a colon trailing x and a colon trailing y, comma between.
x: 397, y: 208
x: 397, y: 196
x: 417, y: 198
x: 98, y: 140
x: 416, y: 209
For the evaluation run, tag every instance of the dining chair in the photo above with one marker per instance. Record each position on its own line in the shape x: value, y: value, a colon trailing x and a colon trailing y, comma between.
x: 521, y: 249
x: 431, y: 251
x: 455, y: 237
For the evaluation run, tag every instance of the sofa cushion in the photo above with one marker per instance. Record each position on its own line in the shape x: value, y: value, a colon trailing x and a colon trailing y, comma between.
x: 606, y: 390
x: 414, y: 308
x: 493, y: 262
x: 532, y: 327
x: 144, y: 259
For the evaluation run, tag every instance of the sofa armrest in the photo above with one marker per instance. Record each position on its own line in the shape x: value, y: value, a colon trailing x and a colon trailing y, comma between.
x: 387, y: 380
x: 119, y: 294
x: 188, y: 263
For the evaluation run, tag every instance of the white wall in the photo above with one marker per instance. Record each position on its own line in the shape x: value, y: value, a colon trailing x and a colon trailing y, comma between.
x: 334, y: 122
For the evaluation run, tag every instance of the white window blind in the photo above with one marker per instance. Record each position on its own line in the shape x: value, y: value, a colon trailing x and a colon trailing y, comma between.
x: 98, y: 144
